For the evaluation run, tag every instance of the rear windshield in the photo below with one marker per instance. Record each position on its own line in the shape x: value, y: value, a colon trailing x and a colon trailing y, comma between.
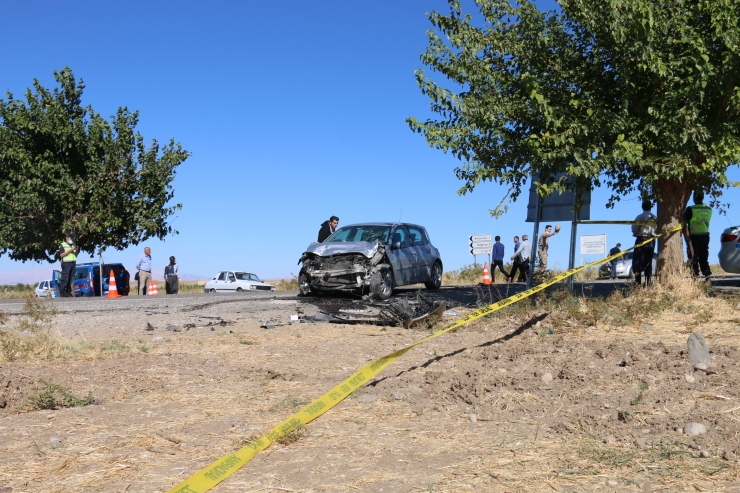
x: 360, y: 233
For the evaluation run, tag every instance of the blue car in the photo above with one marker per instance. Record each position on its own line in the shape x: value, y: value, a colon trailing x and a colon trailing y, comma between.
x: 87, y: 279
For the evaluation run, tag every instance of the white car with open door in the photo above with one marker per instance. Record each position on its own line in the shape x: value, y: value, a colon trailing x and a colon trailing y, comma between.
x: 236, y: 281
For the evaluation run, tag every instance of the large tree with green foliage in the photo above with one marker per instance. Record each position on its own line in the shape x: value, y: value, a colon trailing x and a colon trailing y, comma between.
x: 64, y: 168
x: 633, y: 94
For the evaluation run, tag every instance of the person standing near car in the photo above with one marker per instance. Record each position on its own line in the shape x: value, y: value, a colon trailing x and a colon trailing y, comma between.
x: 612, y: 252
x: 498, y: 260
x: 515, y: 260
x: 696, y: 231
x: 328, y: 228
x: 144, y: 268
x: 523, y: 253
x: 67, y: 252
x: 642, y: 259
x: 171, y: 279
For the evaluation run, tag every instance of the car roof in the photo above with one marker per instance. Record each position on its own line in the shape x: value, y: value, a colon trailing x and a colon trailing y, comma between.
x: 379, y: 224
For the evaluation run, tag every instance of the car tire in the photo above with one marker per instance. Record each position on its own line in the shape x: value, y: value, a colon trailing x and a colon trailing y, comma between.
x: 631, y: 275
x: 304, y: 286
x: 381, y: 284
x: 435, y: 280
x: 212, y: 291
x: 239, y: 290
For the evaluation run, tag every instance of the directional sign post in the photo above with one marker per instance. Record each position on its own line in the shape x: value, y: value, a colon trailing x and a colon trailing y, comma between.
x: 481, y: 244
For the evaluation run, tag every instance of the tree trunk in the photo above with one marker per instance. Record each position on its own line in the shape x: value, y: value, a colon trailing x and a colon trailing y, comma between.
x: 672, y: 195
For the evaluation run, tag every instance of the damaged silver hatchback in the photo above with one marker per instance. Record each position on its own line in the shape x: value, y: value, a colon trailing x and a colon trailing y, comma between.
x: 373, y: 257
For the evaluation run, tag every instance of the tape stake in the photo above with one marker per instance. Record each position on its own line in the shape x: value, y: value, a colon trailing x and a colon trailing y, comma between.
x: 208, y: 477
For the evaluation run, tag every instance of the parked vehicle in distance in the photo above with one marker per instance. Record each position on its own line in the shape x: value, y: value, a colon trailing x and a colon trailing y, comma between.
x: 45, y: 289
x: 729, y: 250
x: 87, y: 279
x: 236, y: 281
x: 624, y: 269
x: 373, y: 256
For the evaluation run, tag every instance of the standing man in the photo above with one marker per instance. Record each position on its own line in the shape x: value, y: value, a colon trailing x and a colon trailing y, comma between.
x: 642, y: 259
x: 498, y: 260
x: 524, y: 253
x: 144, y: 266
x: 68, y: 254
x: 171, y: 279
x: 516, y: 261
x: 543, y: 244
x: 696, y: 231
x: 327, y: 228
x: 615, y: 251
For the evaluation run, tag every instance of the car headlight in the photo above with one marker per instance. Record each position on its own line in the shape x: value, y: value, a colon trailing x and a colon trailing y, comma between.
x: 251, y: 286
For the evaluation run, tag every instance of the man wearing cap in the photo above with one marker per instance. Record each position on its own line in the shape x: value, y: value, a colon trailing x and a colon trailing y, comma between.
x: 144, y: 266
x: 615, y: 251
x: 642, y: 257
x: 68, y: 254
x: 171, y: 279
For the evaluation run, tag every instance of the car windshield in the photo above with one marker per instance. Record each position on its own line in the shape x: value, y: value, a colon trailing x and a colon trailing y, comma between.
x: 246, y: 276
x: 360, y: 233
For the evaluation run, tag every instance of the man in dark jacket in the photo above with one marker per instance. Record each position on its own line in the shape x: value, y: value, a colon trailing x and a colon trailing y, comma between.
x: 327, y: 228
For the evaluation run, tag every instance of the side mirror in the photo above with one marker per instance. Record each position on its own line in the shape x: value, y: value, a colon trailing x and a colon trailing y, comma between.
x: 396, y: 245
x: 214, y: 278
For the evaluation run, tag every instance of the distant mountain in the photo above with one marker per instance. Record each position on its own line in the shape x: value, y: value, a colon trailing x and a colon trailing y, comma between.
x: 33, y: 276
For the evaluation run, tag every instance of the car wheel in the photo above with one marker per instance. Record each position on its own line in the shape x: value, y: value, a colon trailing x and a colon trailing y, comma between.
x: 435, y: 281
x: 239, y: 290
x: 304, y: 287
x: 631, y: 275
x: 381, y: 284
x: 212, y: 291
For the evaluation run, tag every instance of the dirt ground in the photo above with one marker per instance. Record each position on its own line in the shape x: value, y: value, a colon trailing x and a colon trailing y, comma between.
x: 514, y: 402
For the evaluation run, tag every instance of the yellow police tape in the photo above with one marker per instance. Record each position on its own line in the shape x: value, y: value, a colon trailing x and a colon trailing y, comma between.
x: 207, y: 478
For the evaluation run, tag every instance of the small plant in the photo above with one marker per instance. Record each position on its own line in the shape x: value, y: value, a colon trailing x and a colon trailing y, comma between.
x: 623, y: 416
x: 644, y: 386
x: 292, y: 436
x: 246, y: 342
x: 638, y: 400
x: 144, y: 348
x: 55, y: 396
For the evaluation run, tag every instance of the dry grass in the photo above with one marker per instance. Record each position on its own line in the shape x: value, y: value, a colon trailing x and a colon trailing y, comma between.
x: 198, y: 388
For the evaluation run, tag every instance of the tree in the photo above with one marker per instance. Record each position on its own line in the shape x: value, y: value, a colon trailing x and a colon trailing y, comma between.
x: 634, y: 94
x: 64, y: 169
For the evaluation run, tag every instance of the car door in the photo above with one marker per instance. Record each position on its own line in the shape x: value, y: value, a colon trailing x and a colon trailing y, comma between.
x: 220, y: 281
x: 401, y: 256
x: 423, y: 259
x: 231, y: 283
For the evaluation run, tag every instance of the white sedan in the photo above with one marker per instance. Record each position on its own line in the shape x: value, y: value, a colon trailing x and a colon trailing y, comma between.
x: 234, y: 281
x: 44, y: 290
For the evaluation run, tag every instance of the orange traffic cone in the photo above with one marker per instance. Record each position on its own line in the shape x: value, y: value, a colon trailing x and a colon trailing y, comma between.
x: 151, y: 290
x: 486, y: 276
x: 112, y: 289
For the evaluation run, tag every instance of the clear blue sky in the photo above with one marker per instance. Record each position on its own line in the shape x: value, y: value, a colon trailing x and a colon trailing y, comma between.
x: 293, y: 111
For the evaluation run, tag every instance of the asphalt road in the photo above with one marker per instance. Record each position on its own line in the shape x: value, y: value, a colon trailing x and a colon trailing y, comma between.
x: 465, y: 295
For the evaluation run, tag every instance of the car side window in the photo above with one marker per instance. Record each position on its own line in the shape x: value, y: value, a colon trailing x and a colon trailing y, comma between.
x: 401, y: 235
x: 252, y: 277
x: 231, y: 277
x: 417, y: 236
x: 222, y: 276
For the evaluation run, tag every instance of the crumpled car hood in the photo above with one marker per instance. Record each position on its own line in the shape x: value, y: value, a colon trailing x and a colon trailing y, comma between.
x: 365, y: 248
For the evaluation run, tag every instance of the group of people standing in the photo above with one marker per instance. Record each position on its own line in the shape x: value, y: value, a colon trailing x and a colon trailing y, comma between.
x: 144, y: 274
x: 521, y: 260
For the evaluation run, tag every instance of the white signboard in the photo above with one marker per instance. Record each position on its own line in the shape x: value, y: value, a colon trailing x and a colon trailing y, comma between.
x: 481, y: 244
x: 593, y: 245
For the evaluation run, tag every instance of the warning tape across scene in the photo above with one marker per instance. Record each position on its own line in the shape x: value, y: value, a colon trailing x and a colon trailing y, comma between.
x: 638, y: 223
x: 208, y: 477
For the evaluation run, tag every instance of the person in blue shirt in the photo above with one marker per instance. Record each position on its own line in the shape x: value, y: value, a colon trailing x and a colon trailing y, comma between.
x: 498, y: 260
x: 144, y: 266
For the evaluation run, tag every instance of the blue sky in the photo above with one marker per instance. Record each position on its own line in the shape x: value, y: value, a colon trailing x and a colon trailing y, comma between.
x: 293, y: 111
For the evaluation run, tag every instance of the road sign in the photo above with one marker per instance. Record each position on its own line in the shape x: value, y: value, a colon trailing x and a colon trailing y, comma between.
x: 558, y: 206
x: 593, y: 244
x: 480, y: 238
x: 481, y: 244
